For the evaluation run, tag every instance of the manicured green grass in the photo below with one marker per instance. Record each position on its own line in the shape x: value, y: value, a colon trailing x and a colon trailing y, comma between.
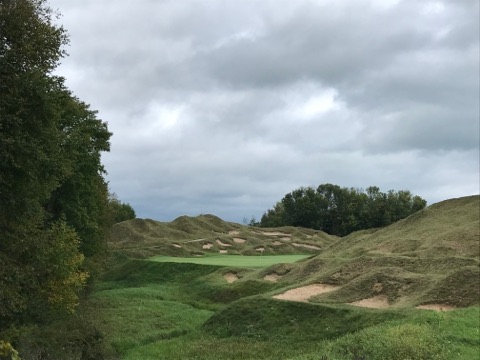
x: 261, y: 261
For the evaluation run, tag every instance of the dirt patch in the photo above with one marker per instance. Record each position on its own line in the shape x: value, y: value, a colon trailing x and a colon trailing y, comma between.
x: 276, y: 233
x: 260, y: 249
x: 376, y: 302
x: 306, y: 246
x: 230, y: 277
x: 223, y: 251
x: 436, y: 307
x: 285, y: 238
x: 194, y: 240
x: 177, y: 246
x: 233, y: 232
x: 277, y: 243
x: 219, y: 242
x: 306, y: 292
x: 207, y: 246
x: 272, y: 277
x: 239, y: 240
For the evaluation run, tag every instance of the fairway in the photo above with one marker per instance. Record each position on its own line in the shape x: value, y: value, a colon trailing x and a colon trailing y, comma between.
x: 233, y: 260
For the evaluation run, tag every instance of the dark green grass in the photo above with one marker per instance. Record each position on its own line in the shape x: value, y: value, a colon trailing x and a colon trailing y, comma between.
x: 151, y: 310
x: 168, y: 310
x: 268, y: 319
x: 260, y: 261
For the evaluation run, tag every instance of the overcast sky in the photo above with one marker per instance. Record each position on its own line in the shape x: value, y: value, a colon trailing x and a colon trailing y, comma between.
x: 223, y: 106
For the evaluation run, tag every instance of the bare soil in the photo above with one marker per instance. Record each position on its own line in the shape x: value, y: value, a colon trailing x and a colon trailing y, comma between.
x: 219, y: 242
x: 306, y: 292
x: 230, y: 277
x: 272, y: 277
x: 376, y: 302
x: 276, y: 233
x: 306, y: 246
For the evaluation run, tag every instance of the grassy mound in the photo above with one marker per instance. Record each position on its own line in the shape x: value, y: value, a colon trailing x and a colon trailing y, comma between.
x: 267, y: 319
x: 183, y: 310
x: 448, y: 228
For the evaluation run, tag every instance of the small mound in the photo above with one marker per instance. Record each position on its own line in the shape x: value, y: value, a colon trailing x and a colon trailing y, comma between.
x: 239, y: 240
x: 230, y: 277
x: 272, y: 277
x: 219, y: 242
x: 306, y: 246
x: 306, y: 292
x: 207, y: 246
x: 376, y: 302
x: 436, y: 307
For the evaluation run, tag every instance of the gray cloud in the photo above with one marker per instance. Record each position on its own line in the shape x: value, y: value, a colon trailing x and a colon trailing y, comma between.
x: 223, y: 107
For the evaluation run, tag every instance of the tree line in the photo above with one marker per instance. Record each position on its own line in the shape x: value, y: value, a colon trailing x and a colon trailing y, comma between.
x: 340, y: 210
x: 55, y: 206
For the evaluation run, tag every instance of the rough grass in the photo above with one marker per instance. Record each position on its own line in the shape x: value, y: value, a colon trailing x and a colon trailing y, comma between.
x: 154, y: 309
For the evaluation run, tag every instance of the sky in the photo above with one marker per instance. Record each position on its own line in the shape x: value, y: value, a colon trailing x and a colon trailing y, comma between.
x: 222, y: 107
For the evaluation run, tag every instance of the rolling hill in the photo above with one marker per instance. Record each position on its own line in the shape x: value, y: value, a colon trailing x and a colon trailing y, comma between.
x: 349, y: 294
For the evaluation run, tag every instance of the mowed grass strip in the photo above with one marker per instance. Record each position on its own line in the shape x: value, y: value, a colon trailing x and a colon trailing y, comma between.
x: 243, y: 261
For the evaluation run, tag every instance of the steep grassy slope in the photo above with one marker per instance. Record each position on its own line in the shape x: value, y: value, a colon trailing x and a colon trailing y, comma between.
x: 431, y: 257
x: 448, y: 228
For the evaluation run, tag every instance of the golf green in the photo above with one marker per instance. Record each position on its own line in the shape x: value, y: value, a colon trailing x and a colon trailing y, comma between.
x: 261, y: 261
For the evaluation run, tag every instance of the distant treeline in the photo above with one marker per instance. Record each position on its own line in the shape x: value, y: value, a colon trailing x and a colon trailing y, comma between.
x: 340, y: 211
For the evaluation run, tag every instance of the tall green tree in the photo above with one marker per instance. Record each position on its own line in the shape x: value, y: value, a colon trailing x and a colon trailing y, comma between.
x: 119, y: 211
x: 53, y: 197
x: 339, y: 211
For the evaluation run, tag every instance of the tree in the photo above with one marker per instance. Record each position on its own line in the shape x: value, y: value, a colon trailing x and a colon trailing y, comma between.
x: 119, y: 211
x: 339, y: 211
x: 53, y: 197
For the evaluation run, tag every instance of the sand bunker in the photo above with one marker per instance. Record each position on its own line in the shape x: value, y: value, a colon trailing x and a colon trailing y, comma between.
x: 277, y: 243
x: 239, y: 240
x: 219, y: 242
x: 177, y: 246
x: 276, y: 233
x: 261, y: 249
x: 436, y: 307
x: 272, y: 277
x: 233, y: 232
x: 285, y: 238
x: 306, y: 292
x: 223, y: 251
x: 230, y: 277
x: 207, y: 246
x: 376, y: 302
x: 306, y: 246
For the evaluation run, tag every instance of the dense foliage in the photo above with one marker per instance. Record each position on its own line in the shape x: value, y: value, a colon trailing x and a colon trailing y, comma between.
x: 340, y: 211
x: 119, y: 211
x: 54, y: 202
